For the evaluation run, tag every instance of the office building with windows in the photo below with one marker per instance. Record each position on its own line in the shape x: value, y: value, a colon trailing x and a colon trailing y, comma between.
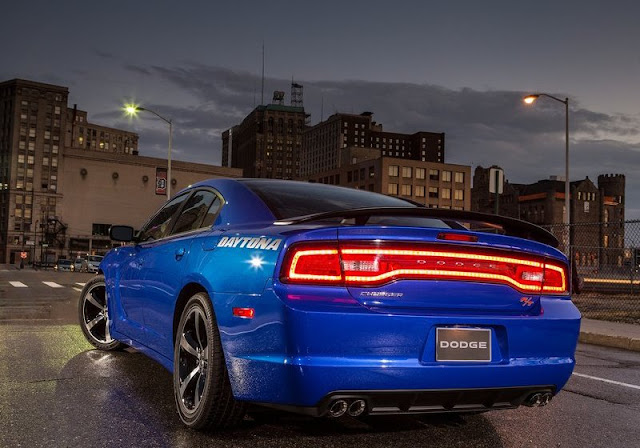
x: 64, y: 180
x: 267, y: 143
x: 437, y: 185
x: 322, y: 143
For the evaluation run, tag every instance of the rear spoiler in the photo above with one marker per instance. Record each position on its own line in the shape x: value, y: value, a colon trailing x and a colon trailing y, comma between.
x: 510, y: 226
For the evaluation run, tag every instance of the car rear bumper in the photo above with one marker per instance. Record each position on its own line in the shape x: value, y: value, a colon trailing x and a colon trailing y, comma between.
x: 306, y: 358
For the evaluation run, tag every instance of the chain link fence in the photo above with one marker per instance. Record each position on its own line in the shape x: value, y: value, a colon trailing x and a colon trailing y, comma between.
x: 606, y: 258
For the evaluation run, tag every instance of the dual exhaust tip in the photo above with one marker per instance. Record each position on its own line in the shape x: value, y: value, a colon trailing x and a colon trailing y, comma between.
x: 538, y: 399
x: 353, y: 408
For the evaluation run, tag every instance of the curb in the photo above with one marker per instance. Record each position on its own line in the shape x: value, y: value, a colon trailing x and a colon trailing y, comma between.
x: 606, y: 340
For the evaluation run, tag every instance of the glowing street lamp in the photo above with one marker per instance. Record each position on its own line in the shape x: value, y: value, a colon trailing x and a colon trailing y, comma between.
x: 530, y: 99
x: 132, y: 110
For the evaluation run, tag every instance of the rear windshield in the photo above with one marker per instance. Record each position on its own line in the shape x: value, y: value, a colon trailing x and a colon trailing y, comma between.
x: 95, y: 258
x: 288, y: 199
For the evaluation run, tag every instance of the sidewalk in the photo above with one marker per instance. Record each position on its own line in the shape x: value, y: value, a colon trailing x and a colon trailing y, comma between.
x: 610, y: 334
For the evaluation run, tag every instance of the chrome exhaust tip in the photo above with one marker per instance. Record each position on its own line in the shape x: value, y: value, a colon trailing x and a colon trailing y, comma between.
x: 357, y: 408
x: 538, y: 399
x: 338, y: 408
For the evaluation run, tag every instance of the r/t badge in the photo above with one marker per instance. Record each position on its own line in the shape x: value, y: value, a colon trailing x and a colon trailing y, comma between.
x: 526, y: 301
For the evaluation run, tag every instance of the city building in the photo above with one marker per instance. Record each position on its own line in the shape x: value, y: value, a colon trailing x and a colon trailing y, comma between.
x: 596, y: 211
x: 322, y: 143
x: 60, y: 175
x: 268, y: 141
x: 437, y: 185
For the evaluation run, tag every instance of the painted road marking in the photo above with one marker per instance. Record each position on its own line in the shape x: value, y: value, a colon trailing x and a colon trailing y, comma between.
x: 53, y: 284
x: 77, y: 289
x: 80, y: 284
x: 18, y: 284
x: 604, y: 380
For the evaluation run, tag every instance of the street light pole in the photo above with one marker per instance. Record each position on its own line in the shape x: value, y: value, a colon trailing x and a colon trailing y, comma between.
x: 169, y: 159
x: 132, y: 110
x: 530, y: 99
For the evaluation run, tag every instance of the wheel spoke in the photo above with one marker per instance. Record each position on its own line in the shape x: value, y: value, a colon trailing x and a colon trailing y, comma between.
x: 187, y: 380
x: 92, y: 323
x: 107, y: 334
x: 97, y: 299
x: 186, y: 346
x: 197, y: 325
x: 196, y: 393
x: 92, y: 300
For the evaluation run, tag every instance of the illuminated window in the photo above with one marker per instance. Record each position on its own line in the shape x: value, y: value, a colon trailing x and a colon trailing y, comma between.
x: 393, y: 188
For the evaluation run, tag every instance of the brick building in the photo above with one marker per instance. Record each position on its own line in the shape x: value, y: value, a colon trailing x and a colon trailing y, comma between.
x: 322, y: 143
x: 596, y: 211
x: 63, y: 179
x: 437, y: 185
x: 267, y: 143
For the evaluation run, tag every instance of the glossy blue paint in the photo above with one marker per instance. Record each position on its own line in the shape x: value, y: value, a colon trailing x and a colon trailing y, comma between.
x: 308, y: 341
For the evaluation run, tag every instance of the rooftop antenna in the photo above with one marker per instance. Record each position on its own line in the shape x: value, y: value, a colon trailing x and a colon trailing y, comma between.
x: 262, y: 92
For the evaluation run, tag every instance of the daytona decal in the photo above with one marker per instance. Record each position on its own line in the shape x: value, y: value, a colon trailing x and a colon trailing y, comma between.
x: 249, y: 242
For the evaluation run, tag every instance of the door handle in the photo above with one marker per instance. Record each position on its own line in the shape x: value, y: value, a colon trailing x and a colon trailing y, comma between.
x: 180, y: 253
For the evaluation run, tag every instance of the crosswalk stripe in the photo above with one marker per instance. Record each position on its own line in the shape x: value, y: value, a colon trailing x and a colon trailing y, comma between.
x: 53, y: 284
x: 77, y: 289
x: 80, y: 284
x: 18, y: 284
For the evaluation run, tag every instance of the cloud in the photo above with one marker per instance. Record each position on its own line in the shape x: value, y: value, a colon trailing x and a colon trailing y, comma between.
x: 481, y: 127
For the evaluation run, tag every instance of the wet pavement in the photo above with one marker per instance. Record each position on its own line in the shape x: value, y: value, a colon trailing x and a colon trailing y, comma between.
x: 56, y: 391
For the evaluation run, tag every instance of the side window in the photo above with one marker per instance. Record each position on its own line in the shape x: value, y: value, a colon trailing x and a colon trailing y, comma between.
x: 212, y: 213
x: 160, y: 224
x: 194, y: 211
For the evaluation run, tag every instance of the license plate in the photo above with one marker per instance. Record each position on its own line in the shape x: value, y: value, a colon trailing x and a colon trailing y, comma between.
x: 463, y: 344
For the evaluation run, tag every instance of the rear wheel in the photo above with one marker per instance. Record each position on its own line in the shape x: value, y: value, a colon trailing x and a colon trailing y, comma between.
x: 200, y: 379
x: 93, y: 314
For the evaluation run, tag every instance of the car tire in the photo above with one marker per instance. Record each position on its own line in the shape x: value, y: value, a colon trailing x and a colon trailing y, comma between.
x: 93, y: 314
x: 201, y: 385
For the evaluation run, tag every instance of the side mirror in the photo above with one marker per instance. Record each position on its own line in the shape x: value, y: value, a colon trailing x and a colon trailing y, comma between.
x: 121, y: 233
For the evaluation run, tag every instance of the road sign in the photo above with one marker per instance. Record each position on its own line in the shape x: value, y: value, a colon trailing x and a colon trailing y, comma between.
x: 30, y: 243
x: 496, y: 180
x: 45, y: 245
x: 23, y: 255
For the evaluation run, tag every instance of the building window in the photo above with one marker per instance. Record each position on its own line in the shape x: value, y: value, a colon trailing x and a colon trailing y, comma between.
x: 433, y: 192
x: 446, y: 193
x: 420, y: 173
x: 458, y: 195
x: 372, y: 172
x: 393, y: 171
x: 420, y: 191
x: 406, y: 190
x: 446, y: 176
x: 406, y: 171
x: 434, y: 175
x: 459, y: 177
x: 393, y: 188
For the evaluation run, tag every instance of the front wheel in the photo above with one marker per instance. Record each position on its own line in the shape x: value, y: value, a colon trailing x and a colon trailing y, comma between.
x: 93, y: 314
x: 201, y: 383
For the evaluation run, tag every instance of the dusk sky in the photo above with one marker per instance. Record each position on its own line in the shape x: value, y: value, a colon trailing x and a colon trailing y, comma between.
x: 456, y: 67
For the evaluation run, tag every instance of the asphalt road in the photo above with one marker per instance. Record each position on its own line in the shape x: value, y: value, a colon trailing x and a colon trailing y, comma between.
x: 56, y: 391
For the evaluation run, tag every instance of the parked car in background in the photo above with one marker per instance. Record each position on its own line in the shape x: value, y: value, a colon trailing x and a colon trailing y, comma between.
x: 80, y: 264
x: 93, y: 262
x: 64, y: 265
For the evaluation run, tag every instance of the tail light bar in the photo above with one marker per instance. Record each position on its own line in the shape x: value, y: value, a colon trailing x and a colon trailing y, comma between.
x: 368, y: 265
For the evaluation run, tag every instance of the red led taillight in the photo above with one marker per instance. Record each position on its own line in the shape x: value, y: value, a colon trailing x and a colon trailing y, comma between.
x: 364, y: 266
x: 312, y: 263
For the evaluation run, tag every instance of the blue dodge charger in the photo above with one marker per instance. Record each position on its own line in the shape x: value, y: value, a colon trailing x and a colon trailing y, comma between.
x: 331, y: 301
